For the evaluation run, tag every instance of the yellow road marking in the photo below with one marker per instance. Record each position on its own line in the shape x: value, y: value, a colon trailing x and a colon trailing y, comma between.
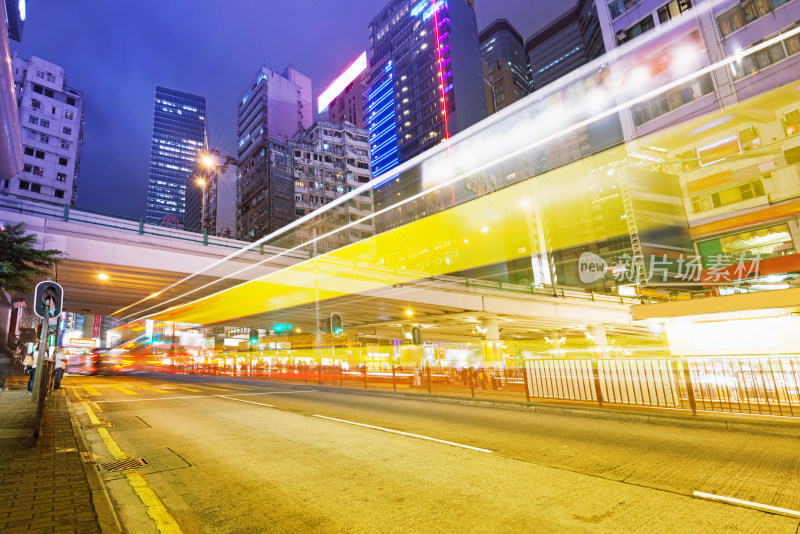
x: 97, y: 407
x: 91, y: 391
x: 124, y: 390
x: 186, y: 389
x: 237, y: 387
x: 211, y: 387
x: 150, y: 389
x: 165, y: 523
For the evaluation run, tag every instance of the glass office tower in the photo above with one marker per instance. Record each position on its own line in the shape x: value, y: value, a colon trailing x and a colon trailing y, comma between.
x: 179, y: 134
x: 425, y: 84
x: 506, y: 76
x: 426, y: 80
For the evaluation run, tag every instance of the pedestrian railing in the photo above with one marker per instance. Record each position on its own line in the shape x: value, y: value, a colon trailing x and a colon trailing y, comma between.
x: 766, y: 385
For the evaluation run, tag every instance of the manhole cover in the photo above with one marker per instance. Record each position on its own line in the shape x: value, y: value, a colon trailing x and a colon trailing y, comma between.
x: 123, y: 465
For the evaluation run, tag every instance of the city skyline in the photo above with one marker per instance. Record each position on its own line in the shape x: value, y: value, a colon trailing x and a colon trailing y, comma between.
x: 115, y: 163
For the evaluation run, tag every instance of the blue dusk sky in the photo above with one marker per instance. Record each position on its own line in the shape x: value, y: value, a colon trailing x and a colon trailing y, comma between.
x: 117, y: 52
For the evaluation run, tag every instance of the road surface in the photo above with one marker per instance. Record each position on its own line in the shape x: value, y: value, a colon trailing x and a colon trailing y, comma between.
x: 231, y: 457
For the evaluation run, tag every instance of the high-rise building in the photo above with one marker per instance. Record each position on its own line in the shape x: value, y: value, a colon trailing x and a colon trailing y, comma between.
x: 179, y: 137
x: 330, y: 160
x: 425, y: 81
x: 265, y: 190
x: 51, y: 124
x: 274, y: 108
x: 570, y: 41
x: 506, y: 78
x: 343, y: 100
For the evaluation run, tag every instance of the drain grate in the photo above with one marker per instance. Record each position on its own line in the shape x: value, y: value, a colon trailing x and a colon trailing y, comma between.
x: 98, y: 425
x: 123, y: 465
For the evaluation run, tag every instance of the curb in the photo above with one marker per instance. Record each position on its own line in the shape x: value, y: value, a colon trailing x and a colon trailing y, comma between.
x: 106, y: 514
x: 753, y: 424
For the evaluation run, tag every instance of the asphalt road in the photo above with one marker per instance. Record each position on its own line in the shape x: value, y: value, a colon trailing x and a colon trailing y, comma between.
x: 232, y: 457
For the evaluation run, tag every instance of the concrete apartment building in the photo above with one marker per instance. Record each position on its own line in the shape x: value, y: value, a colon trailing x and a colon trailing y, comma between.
x: 51, y: 126
x: 274, y: 108
x: 330, y: 160
x: 506, y: 76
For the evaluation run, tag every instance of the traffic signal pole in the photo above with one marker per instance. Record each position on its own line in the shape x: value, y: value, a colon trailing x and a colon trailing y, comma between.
x: 318, y: 341
x: 42, y: 376
x: 45, y: 295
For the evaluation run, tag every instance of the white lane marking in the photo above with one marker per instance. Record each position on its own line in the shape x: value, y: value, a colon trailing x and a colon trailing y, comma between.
x: 209, y: 396
x: 405, y: 434
x: 757, y: 505
x: 247, y: 401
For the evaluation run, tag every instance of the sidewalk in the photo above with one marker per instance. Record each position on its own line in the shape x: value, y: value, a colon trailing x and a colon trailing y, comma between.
x: 44, y: 487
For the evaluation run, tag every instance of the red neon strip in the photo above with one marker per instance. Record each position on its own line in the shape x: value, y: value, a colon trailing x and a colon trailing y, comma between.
x: 439, y: 63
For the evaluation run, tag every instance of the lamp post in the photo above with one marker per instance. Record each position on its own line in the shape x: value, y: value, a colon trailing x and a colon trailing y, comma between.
x: 212, y: 165
x: 202, y: 183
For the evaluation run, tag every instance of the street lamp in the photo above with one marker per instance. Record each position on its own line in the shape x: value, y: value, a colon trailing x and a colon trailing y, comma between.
x: 210, y: 161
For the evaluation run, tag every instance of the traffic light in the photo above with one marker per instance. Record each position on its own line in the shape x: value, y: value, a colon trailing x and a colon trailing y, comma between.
x: 254, y: 337
x: 278, y: 328
x: 337, y: 327
x: 416, y: 336
x: 46, y: 292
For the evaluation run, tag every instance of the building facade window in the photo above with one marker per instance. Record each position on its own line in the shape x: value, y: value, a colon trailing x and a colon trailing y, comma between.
x: 59, y: 193
x: 728, y: 196
x: 24, y: 185
x: 746, y: 12
x: 63, y: 162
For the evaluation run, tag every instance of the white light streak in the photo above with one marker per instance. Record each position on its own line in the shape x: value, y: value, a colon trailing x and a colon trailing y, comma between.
x: 442, y: 147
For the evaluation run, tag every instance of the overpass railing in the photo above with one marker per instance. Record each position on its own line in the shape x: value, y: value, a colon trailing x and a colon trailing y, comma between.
x: 67, y: 213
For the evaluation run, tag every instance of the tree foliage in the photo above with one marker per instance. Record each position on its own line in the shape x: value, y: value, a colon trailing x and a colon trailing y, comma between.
x: 22, y: 265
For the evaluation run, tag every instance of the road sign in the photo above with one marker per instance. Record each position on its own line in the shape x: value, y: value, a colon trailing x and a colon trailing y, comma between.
x: 45, y: 293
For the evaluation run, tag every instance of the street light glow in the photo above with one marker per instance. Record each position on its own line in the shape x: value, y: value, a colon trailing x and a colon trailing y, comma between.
x: 102, y: 276
x: 208, y: 161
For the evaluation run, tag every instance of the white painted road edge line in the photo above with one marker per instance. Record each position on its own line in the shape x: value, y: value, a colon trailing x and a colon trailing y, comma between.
x: 405, y: 434
x: 759, y: 506
x: 206, y: 396
x: 247, y: 401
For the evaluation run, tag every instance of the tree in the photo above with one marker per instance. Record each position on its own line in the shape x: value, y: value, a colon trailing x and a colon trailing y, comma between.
x: 20, y: 263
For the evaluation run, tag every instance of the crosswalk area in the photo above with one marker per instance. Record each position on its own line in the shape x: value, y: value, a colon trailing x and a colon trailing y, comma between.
x: 106, y: 390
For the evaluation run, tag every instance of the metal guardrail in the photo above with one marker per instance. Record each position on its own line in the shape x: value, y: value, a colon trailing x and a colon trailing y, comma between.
x: 761, y: 385
x: 67, y: 213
